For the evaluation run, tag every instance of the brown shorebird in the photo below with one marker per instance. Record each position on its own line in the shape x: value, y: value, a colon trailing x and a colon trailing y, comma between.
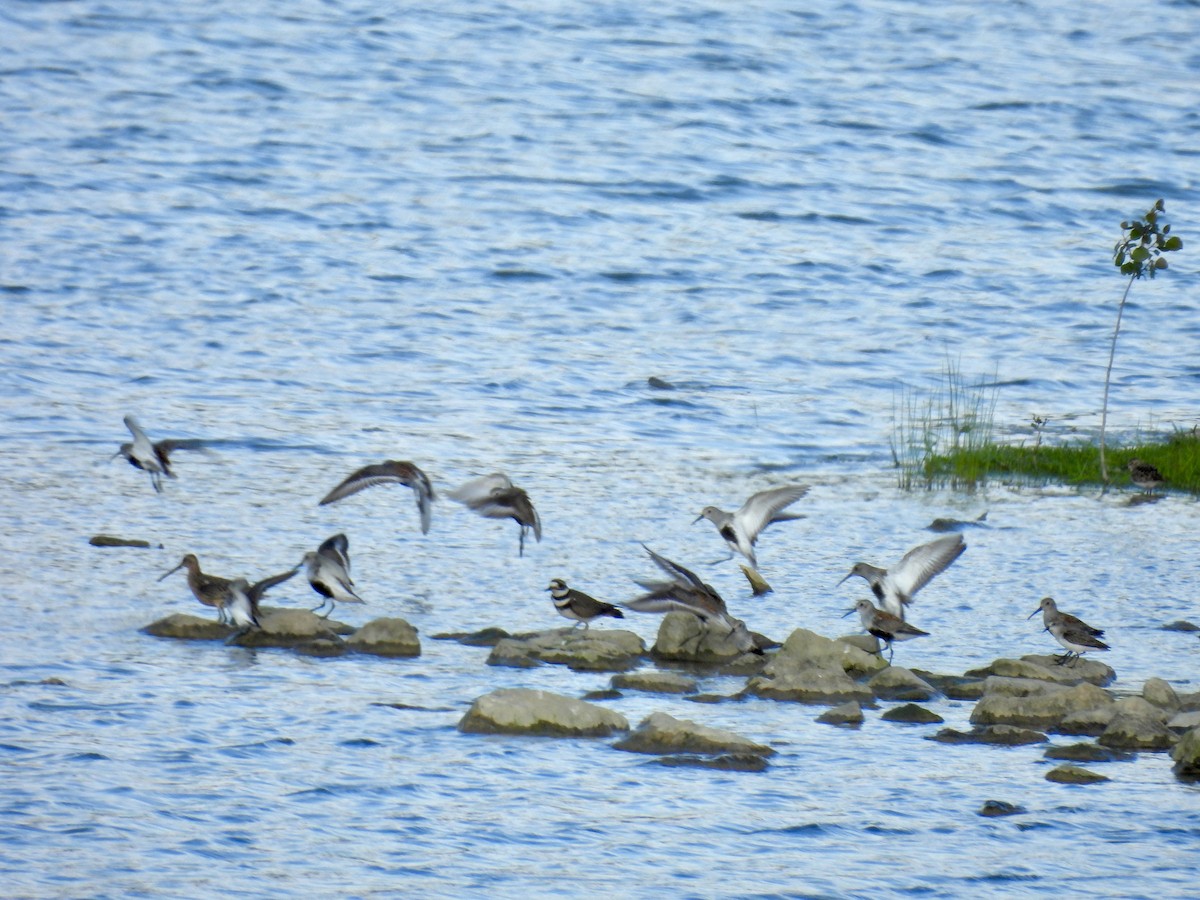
x: 741, y: 529
x: 1145, y: 475
x: 894, y: 588
x: 1075, y: 635
x: 578, y: 606
x: 687, y: 593
x: 328, y: 571
x: 883, y: 625
x: 496, y: 497
x: 393, y: 471
x: 212, y: 590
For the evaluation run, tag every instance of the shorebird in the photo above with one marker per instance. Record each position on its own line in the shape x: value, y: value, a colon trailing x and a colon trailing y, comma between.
x: 391, y: 472
x: 242, y: 609
x: 686, y: 592
x: 884, y: 626
x: 496, y: 497
x: 894, y: 588
x: 1075, y: 635
x: 152, y: 458
x: 577, y: 605
x: 328, y: 571
x: 212, y: 590
x: 741, y: 529
x: 1145, y: 475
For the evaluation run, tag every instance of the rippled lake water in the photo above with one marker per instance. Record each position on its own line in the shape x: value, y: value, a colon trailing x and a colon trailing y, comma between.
x: 318, y: 235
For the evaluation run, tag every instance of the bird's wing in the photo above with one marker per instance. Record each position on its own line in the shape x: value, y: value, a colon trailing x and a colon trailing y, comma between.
x: 478, y: 490
x: 764, y: 507
x: 391, y: 472
x: 1073, y: 624
x: 920, y: 564
x: 681, y: 576
x: 526, y: 514
x: 338, y: 548
x: 259, y: 588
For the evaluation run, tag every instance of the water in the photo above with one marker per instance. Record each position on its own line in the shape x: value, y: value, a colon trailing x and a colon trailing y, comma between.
x: 325, y: 234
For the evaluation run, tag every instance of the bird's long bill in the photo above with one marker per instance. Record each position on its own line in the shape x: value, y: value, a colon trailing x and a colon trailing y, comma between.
x: 694, y: 521
x: 172, y: 572
x: 852, y: 609
x: 844, y: 580
x: 1032, y: 614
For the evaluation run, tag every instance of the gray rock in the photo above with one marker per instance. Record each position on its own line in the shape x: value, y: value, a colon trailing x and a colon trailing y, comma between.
x: 661, y: 733
x: 810, y: 685
x: 1184, y: 721
x: 1005, y: 735
x: 1086, y: 752
x: 487, y: 637
x: 1040, y: 710
x: 1189, y: 702
x: 954, y: 687
x: 386, y: 637
x: 1186, y: 754
x: 1181, y: 625
x: 1130, y: 731
x: 286, y: 628
x: 1095, y: 721
x: 655, y: 682
x: 594, y: 650
x: 842, y: 714
x: 525, y: 711
x: 1012, y: 686
x: 322, y: 647
x: 684, y: 638
x: 1044, y: 668
x: 910, y: 712
x: 726, y: 762
x: 898, y: 683
x: 187, y: 627
x: 807, y: 649
x: 1074, y: 775
x: 1161, y: 694
x: 109, y: 540
x: 993, y: 808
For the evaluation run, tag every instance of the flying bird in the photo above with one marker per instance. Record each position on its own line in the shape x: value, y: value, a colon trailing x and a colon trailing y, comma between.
x: 1074, y: 635
x: 391, y: 472
x: 142, y: 453
x: 894, y: 588
x: 496, y: 497
x: 741, y: 529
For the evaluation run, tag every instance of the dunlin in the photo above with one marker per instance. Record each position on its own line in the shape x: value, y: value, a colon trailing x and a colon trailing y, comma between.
x: 142, y: 454
x: 391, y: 472
x: 686, y: 592
x: 328, y: 571
x: 741, y: 529
x: 883, y: 625
x: 1074, y: 635
x: 1145, y: 475
x: 212, y: 590
x: 496, y: 497
x: 894, y: 588
x: 242, y: 609
x: 578, y: 606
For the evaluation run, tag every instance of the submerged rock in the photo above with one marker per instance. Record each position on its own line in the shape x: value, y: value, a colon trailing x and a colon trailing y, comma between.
x: 1074, y: 775
x: 912, y: 713
x: 487, y: 637
x: 109, y: 540
x: 843, y: 714
x: 726, y: 762
x: 594, y: 650
x: 1005, y: 735
x: 662, y: 733
x: 525, y: 711
x: 993, y: 808
x: 386, y: 637
x: 1186, y: 755
x: 655, y: 682
x: 1181, y: 625
x: 1086, y: 752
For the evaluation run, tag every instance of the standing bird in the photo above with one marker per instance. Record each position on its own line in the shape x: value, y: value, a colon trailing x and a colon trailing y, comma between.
x: 1075, y: 635
x: 741, y: 529
x: 212, y: 590
x: 894, y: 588
x: 1145, y: 475
x: 328, y: 571
x: 577, y: 605
x: 151, y: 458
x: 391, y: 472
x: 687, y: 593
x: 496, y: 497
x: 242, y: 609
x: 884, y: 626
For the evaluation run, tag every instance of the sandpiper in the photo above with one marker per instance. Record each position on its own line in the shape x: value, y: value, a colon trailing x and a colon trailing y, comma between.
x: 328, y: 571
x: 741, y: 529
x: 242, y: 609
x: 578, y: 606
x: 142, y: 454
x: 1145, y: 475
x: 686, y: 592
x: 393, y: 471
x: 894, y: 588
x: 212, y: 590
x: 883, y: 625
x: 496, y: 497
x: 1075, y: 635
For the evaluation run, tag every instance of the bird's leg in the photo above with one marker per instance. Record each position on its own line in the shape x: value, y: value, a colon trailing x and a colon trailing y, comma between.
x: 521, y: 542
x: 324, y: 600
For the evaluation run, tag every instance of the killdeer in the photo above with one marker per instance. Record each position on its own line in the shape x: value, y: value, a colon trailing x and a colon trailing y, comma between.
x: 884, y: 626
x: 741, y: 529
x: 1074, y: 635
x: 894, y: 588
x: 578, y: 606
x: 496, y: 497
x: 392, y: 471
x: 328, y: 571
x: 212, y: 590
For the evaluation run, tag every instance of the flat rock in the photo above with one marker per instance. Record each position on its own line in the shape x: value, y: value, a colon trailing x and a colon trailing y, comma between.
x: 1005, y: 735
x: 1044, y: 668
x: 286, y: 628
x: 386, y: 637
x: 898, y: 683
x: 993, y: 808
x: 1074, y: 775
x: 187, y: 627
x: 726, y: 762
x: 843, y: 714
x: 1184, y: 721
x: 661, y: 733
x: 911, y: 712
x: 810, y: 685
x: 594, y: 650
x: 110, y: 540
x: 1186, y: 755
x: 1086, y: 752
x: 655, y: 682
x: 1039, y: 710
x: 682, y: 637
x: 486, y: 637
x: 526, y: 711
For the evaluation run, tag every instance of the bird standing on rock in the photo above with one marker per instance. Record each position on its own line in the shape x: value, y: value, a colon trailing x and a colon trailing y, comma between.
x: 1074, y: 635
x: 328, y: 571
x: 577, y: 605
x: 884, y: 626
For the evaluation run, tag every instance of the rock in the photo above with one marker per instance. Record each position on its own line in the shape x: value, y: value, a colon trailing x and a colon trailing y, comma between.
x: 910, y: 712
x: 286, y: 628
x: 1005, y: 735
x: 1095, y: 721
x: 185, y: 626
x: 992, y: 808
x: 605, y: 694
x: 655, y: 682
x: 1130, y: 731
x: 807, y: 649
x: 1161, y: 694
x: 330, y: 646
x: 386, y: 637
x: 1009, y: 686
x: 1073, y: 775
x: 525, y: 711
x: 726, y: 762
x: 1181, y: 625
x: 682, y: 637
x: 842, y: 714
x: 594, y: 650
x: 810, y: 685
x: 1184, y: 721
x: 1039, y: 710
x: 108, y: 540
x: 488, y: 637
x: 1044, y: 668
x: 954, y: 687
x: 1186, y: 754
x: 661, y: 733
x: 1189, y: 702
x: 1079, y: 669
x: 898, y: 683
x: 1085, y: 752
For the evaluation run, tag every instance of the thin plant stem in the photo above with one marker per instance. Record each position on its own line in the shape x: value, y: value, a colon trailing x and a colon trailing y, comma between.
x: 1112, y: 352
